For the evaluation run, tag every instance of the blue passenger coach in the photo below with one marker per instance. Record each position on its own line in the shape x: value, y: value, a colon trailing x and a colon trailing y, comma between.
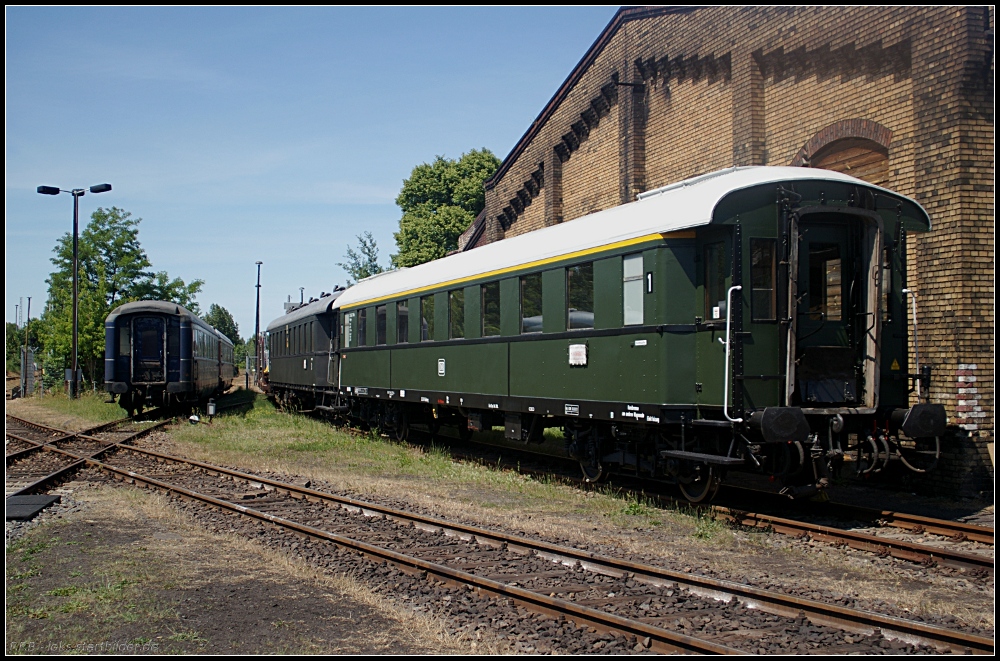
x: 158, y: 353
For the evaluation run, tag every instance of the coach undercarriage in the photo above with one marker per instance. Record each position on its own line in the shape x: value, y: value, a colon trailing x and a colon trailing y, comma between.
x: 801, y: 452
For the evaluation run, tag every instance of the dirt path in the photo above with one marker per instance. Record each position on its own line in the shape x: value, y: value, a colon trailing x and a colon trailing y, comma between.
x: 120, y: 570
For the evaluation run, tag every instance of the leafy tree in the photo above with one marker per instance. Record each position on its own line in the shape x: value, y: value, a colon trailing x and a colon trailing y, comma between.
x: 114, y: 259
x: 161, y: 288
x: 242, y: 349
x: 222, y: 321
x: 113, y: 269
x: 14, y: 340
x: 362, y: 263
x: 439, y: 201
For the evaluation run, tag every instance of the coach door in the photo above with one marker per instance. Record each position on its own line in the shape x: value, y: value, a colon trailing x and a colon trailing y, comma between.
x: 716, y: 264
x: 149, y: 350
x: 836, y: 325
x: 333, y: 350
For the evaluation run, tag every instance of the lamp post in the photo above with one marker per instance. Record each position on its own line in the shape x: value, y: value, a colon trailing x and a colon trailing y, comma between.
x: 256, y: 333
x: 77, y: 193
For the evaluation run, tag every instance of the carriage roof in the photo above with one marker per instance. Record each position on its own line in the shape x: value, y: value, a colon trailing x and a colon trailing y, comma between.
x: 314, y: 308
x: 166, y: 308
x: 681, y: 206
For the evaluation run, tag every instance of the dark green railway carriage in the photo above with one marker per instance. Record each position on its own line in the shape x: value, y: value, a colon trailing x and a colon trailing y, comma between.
x: 753, y: 318
x: 303, y: 354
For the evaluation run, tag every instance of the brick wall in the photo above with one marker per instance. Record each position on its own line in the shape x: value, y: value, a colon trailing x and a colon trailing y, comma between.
x: 665, y: 94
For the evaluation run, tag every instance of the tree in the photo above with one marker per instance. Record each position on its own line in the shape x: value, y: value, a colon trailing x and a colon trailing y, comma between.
x: 439, y: 201
x: 362, y: 263
x: 161, y: 288
x: 14, y: 341
x: 113, y: 269
x: 219, y: 318
x: 15, y: 338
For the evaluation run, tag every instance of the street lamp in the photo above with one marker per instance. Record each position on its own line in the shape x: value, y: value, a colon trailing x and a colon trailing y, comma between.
x: 77, y: 193
x: 256, y: 334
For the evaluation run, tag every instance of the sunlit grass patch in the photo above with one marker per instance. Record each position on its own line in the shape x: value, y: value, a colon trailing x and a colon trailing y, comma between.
x: 708, y: 528
x: 93, y: 406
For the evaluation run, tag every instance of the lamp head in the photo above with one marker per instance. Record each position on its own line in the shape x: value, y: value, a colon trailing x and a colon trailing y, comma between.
x: 48, y: 190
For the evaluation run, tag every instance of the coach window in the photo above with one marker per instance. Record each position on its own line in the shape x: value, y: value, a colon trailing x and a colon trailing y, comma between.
x: 350, y: 320
x: 363, y: 327
x: 379, y: 324
x: 125, y: 340
x: 762, y: 278
x: 887, y: 284
x: 825, y: 288
x: 426, y: 318
x: 580, y: 296
x: 402, y: 322
x: 456, y: 314
x: 531, y: 303
x: 715, y: 281
x: 491, y: 309
x: 632, y: 289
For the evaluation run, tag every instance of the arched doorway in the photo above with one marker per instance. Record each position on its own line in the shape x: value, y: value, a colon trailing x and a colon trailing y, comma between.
x: 858, y: 147
x: 857, y: 157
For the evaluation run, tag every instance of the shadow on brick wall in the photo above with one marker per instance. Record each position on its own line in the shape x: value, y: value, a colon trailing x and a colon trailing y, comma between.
x: 965, y: 469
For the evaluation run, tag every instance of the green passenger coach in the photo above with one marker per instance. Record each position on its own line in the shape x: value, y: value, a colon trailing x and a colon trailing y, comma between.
x: 749, y: 319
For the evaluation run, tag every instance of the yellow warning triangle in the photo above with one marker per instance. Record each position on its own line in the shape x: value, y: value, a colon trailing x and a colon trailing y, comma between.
x: 895, y: 365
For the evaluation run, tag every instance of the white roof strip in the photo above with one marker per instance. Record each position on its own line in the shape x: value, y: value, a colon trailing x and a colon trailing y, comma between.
x: 680, y: 206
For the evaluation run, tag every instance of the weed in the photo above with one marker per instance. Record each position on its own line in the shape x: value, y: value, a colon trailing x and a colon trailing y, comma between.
x: 27, y: 548
x: 74, y: 606
x: 27, y: 573
x: 182, y: 636
x: 707, y: 527
x: 64, y: 592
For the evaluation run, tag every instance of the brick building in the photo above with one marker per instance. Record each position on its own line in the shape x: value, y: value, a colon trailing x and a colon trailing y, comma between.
x: 898, y: 96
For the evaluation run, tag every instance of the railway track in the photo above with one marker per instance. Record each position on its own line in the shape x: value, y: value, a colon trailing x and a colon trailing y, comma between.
x: 924, y: 540
x: 660, y: 609
x: 961, y: 548
x: 45, y: 456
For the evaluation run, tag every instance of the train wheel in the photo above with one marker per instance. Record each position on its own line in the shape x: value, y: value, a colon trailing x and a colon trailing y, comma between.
x: 701, y: 485
x: 590, y: 459
x: 402, y: 427
x: 592, y: 472
x: 919, y: 454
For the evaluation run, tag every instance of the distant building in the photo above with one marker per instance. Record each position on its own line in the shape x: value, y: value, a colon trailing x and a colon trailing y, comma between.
x: 898, y: 96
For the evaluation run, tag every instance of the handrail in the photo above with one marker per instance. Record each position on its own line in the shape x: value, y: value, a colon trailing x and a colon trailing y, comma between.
x: 725, y: 378
x: 916, y: 347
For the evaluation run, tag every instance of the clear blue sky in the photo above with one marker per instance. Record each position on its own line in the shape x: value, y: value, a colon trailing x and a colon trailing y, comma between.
x: 266, y: 134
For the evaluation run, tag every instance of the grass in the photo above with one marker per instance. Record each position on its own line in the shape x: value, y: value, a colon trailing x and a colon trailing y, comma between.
x: 265, y: 439
x: 294, y: 443
x: 88, y: 406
